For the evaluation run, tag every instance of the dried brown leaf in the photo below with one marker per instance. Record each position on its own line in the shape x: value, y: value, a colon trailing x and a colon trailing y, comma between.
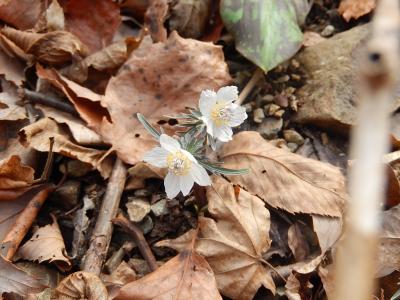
x: 297, y: 242
x: 122, y: 275
x: 23, y: 14
x: 37, y: 136
x: 140, y: 172
x: 234, y: 242
x: 11, y: 68
x: 283, y: 179
x: 55, y: 47
x: 46, y: 244
x: 328, y: 230
x: 140, y: 80
x: 82, y: 134
x: 55, y: 17
x: 327, y: 278
x: 9, y: 98
x: 154, y: 19
x: 81, y: 285
x: 354, y: 9
x: 94, y: 22
x: 13, y: 174
x: 187, y: 276
x: 9, y: 211
x: 14, y: 280
x: 298, y: 287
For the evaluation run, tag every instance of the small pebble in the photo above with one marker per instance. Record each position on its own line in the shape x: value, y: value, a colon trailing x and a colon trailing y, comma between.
x: 160, y: 208
x: 140, y: 266
x: 268, y: 98
x: 279, y: 113
x: 295, y: 63
x: 292, y: 146
x: 293, y: 103
x: 324, y: 138
x: 142, y: 193
x: 295, y: 77
x: 282, y: 100
x: 272, y: 108
x: 258, y: 115
x: 292, y: 136
x: 137, y: 209
x: 248, y: 107
x: 328, y: 31
x: 270, y: 127
x: 146, y: 225
x: 76, y: 168
x: 68, y: 193
x: 284, y: 78
x: 290, y: 90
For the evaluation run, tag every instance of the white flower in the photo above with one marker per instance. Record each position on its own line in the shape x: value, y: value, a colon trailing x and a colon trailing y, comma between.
x: 219, y: 113
x: 183, y: 168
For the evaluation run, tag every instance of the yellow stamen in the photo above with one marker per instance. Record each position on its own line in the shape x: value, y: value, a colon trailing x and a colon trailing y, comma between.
x: 178, y: 163
x: 220, y: 115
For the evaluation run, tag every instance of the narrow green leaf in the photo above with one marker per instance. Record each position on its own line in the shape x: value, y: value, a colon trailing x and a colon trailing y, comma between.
x: 224, y: 171
x: 396, y: 295
x: 148, y: 126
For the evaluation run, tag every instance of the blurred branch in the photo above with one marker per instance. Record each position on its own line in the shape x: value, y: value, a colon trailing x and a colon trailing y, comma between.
x: 356, y: 254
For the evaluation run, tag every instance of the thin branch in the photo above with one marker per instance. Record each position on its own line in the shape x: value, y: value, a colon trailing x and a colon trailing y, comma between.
x: 101, y: 237
x: 255, y: 78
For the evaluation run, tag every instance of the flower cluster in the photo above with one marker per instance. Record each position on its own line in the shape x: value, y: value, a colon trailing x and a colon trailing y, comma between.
x: 185, y: 157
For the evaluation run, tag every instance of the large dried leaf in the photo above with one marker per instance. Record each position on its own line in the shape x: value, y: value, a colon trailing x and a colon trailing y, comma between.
x: 55, y: 47
x: 234, y: 241
x: 328, y: 230
x: 23, y: 14
x: 9, y: 211
x: 94, y: 22
x: 355, y: 8
x: 14, y: 280
x: 11, y: 68
x: 140, y: 87
x: 37, y: 136
x: 187, y: 276
x: 13, y: 174
x: 9, y: 98
x: 81, y: 285
x: 46, y: 244
x: 265, y: 32
x: 283, y: 179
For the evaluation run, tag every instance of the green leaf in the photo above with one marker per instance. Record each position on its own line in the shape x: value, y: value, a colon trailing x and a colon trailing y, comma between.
x: 266, y: 32
x: 218, y: 170
x: 148, y: 126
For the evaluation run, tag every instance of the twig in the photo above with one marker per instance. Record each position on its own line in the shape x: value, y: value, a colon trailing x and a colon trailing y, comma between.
x: 137, y: 235
x: 356, y: 256
x: 36, y: 97
x: 257, y: 75
x: 116, y: 258
x: 25, y: 219
x: 101, y: 237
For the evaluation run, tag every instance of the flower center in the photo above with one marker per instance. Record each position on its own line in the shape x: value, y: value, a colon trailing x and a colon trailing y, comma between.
x: 178, y: 163
x: 220, y: 114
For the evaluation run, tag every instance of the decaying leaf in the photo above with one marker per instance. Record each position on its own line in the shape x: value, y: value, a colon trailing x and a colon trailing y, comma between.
x: 354, y: 9
x: 14, y: 280
x: 140, y: 81
x: 11, y: 68
x: 9, y: 108
x: 298, y: 242
x: 55, y: 47
x: 283, y: 179
x: 46, y: 244
x: 81, y: 285
x: 186, y: 276
x: 328, y: 230
x: 298, y: 288
x: 327, y: 278
x: 23, y: 14
x: 122, y: 275
x: 13, y: 174
x: 55, y: 17
x: 37, y: 135
x: 94, y: 22
x: 154, y: 19
x: 265, y: 32
x: 82, y: 134
x: 140, y: 172
x: 234, y: 242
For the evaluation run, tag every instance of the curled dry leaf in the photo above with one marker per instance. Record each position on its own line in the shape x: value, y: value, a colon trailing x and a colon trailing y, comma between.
x: 140, y: 172
x: 23, y: 14
x: 297, y: 241
x: 81, y: 285
x: 353, y: 9
x: 11, y: 68
x: 187, y: 276
x: 94, y: 22
x: 82, y: 134
x: 154, y: 19
x: 55, y: 47
x: 54, y: 17
x: 13, y: 174
x: 37, y: 136
x: 122, y: 275
x: 14, y: 280
x: 139, y: 81
x: 9, y: 108
x: 283, y: 179
x: 46, y: 244
x: 234, y: 242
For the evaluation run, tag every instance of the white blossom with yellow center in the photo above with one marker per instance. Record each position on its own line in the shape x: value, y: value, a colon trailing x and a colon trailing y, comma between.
x: 219, y: 113
x: 183, y: 168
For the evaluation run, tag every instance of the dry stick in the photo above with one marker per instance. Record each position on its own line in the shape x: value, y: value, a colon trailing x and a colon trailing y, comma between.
x: 137, y: 235
x: 101, y: 237
x: 355, y: 268
x: 36, y: 97
x: 255, y: 78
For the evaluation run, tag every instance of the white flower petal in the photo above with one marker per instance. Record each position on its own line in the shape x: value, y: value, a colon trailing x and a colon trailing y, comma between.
x: 171, y: 184
x: 189, y: 155
x: 207, y: 101
x: 238, y: 116
x: 227, y: 94
x: 200, y: 175
x: 210, y: 127
x: 223, y: 133
x: 169, y: 143
x: 157, y: 157
x: 186, y: 184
